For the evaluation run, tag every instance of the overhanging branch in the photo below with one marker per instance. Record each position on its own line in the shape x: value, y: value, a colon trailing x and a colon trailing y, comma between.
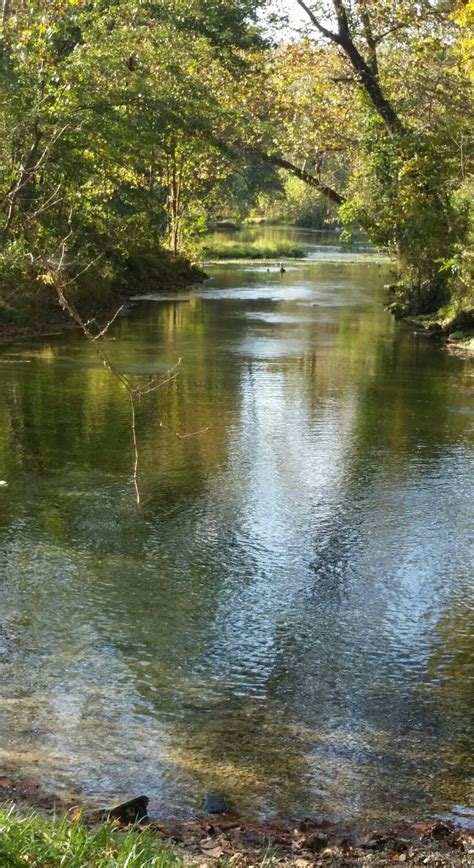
x: 302, y: 174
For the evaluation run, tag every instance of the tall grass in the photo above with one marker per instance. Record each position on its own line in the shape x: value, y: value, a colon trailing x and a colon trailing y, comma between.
x: 252, y: 250
x: 40, y: 842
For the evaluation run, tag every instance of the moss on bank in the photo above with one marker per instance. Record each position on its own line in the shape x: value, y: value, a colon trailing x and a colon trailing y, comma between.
x: 453, y: 323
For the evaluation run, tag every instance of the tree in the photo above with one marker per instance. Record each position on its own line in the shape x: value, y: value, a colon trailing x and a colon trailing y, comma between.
x: 106, y: 116
x: 402, y: 168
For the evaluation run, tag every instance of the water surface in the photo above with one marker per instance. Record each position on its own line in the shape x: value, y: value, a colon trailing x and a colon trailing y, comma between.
x: 288, y: 616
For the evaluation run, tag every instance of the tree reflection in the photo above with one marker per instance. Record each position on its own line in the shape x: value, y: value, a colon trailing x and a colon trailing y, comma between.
x: 285, y: 618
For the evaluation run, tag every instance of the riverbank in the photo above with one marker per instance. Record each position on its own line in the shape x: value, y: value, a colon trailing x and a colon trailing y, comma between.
x: 32, y: 309
x: 39, y: 840
x: 453, y: 328
x: 454, y: 339
x: 47, y: 829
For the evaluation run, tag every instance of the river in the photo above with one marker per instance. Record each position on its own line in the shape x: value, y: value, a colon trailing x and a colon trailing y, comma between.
x: 288, y: 615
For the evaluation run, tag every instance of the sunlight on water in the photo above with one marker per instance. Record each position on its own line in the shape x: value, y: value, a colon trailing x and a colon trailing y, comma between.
x: 286, y: 618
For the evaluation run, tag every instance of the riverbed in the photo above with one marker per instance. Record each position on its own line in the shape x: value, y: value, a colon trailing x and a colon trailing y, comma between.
x: 287, y: 616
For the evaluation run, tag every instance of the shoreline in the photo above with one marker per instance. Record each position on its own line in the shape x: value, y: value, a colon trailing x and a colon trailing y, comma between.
x: 433, y: 327
x: 453, y: 331
x: 54, y: 321
x: 223, y: 839
x: 462, y: 347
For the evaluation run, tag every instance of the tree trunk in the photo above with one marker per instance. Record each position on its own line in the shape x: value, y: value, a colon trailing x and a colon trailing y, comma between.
x: 372, y: 88
x: 366, y: 72
x: 5, y: 11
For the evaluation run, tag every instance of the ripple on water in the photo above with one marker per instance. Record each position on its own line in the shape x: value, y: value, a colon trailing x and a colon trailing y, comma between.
x: 286, y: 618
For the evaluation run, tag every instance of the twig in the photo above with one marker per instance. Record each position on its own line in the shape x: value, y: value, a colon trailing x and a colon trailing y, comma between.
x: 135, y: 448
x: 83, y: 271
x: 106, y: 327
x: 184, y: 436
x: 56, y: 272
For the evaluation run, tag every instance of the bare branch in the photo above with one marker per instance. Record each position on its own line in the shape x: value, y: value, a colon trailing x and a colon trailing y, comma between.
x: 55, y: 270
x: 402, y: 25
x: 135, y: 448
x: 49, y: 203
x: 184, y: 436
x: 106, y: 327
x: 83, y: 271
x: 334, y: 37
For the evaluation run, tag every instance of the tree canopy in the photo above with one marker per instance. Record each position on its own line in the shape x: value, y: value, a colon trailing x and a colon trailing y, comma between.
x: 134, y: 122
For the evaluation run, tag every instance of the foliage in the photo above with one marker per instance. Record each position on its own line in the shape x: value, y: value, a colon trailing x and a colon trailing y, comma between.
x: 372, y: 107
x: 128, y: 125
x: 297, y: 204
x: 105, y: 119
x: 401, y: 194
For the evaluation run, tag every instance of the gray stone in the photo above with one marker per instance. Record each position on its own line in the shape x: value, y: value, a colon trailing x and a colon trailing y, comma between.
x: 215, y: 803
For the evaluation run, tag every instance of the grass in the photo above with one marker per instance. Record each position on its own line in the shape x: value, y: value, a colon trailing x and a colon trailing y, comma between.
x: 253, y: 250
x: 39, y: 842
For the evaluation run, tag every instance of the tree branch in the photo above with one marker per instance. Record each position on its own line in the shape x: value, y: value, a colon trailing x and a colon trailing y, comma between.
x: 334, y: 37
x: 302, y: 174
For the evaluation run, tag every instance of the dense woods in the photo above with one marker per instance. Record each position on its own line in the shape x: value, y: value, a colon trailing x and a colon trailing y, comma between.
x: 129, y: 126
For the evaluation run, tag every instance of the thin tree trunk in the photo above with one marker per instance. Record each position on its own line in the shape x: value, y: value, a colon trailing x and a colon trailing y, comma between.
x: 24, y: 174
x: 367, y: 75
x: 369, y: 37
x: 5, y: 11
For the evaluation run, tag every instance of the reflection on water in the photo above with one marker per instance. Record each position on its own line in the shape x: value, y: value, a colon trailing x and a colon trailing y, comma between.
x: 287, y: 617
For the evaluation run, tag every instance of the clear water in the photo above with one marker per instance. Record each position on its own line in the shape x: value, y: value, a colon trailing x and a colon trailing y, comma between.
x: 288, y: 617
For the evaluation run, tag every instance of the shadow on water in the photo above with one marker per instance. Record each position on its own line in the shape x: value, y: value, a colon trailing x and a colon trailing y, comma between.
x: 286, y: 618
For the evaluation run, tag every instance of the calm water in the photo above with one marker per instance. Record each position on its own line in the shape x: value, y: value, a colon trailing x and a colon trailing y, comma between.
x: 288, y: 617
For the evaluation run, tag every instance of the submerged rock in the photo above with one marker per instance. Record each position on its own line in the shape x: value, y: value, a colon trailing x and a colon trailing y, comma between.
x: 215, y: 803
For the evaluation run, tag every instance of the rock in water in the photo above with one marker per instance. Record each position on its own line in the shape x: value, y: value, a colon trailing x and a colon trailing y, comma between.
x: 215, y: 803
x: 133, y: 811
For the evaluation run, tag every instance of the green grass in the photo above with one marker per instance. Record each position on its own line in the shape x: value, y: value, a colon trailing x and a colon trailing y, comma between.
x: 253, y: 250
x: 39, y: 842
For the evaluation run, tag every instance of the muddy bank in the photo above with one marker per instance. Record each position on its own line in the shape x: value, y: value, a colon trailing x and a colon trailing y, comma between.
x: 229, y: 839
